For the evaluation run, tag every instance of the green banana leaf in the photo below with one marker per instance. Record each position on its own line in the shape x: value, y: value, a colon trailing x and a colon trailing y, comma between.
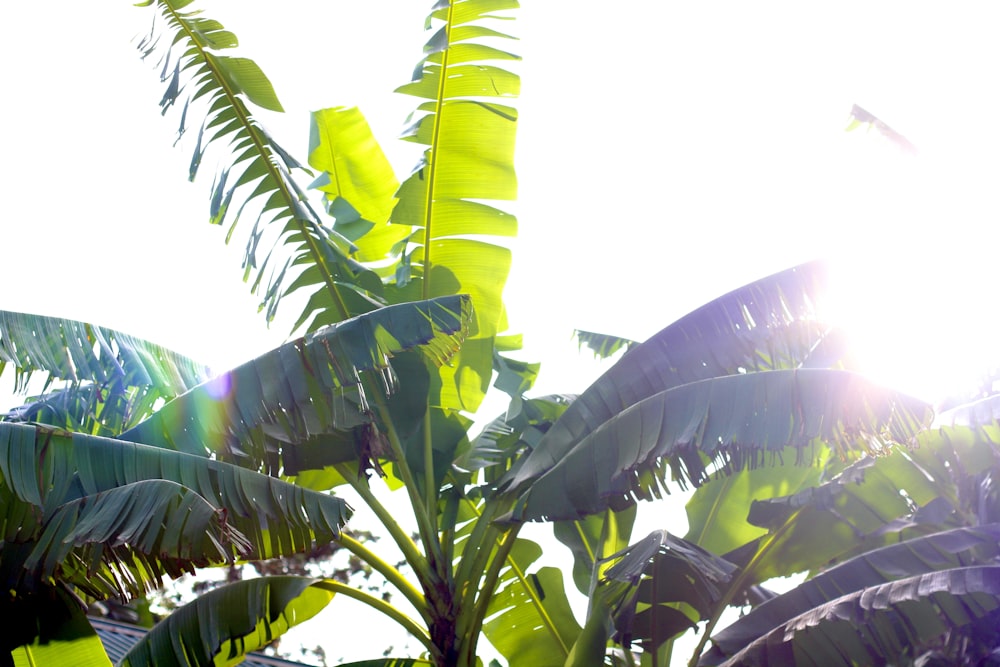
x: 734, y: 422
x: 603, y: 345
x: 79, y: 352
x: 305, y: 388
x: 902, y: 620
x: 110, y: 380
x: 90, y: 408
x: 225, y: 624
x: 259, y: 169
x: 389, y: 662
x: 959, y: 547
x: 48, y: 627
x: 769, y: 324
x: 359, y: 189
x: 114, y: 517
x: 717, y: 511
x: 592, y: 540
x: 504, y: 439
x: 529, y: 620
x: 871, y: 503
x: 356, y: 179
x: 660, y: 587
x: 469, y: 160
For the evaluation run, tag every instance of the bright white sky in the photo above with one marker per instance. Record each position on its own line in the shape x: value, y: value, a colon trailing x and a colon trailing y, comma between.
x: 666, y: 155
x: 668, y: 152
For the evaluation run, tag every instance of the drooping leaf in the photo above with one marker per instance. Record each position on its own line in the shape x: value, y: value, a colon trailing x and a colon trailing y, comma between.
x: 944, y: 550
x: 90, y: 408
x: 901, y: 619
x: 79, y: 352
x: 767, y: 325
x: 154, y: 517
x: 304, y: 388
x: 602, y: 345
x: 97, y: 513
x: 225, y: 624
x: 734, y: 422
x: 661, y: 586
x: 48, y: 627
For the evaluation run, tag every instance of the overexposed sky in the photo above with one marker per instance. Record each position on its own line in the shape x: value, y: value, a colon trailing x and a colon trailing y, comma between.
x: 668, y: 152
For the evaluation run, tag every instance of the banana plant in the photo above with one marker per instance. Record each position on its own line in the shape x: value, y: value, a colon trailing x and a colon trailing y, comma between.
x: 136, y: 464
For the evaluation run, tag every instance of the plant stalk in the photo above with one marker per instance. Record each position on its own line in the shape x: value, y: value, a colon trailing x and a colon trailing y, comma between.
x: 737, y: 585
x: 384, y: 607
x: 391, y: 574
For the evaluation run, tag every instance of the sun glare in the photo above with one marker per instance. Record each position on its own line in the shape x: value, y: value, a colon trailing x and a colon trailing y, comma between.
x: 925, y: 332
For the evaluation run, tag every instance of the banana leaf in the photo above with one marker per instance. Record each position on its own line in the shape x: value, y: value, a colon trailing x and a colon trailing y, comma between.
x: 901, y: 620
x: 660, y: 587
x: 733, y: 422
x: 305, y: 388
x: 79, y: 353
x: 446, y: 204
x: 114, y: 517
x: 959, y: 547
x: 529, y: 618
x: 259, y: 170
x: 225, y: 624
x: 769, y: 324
x: 48, y: 627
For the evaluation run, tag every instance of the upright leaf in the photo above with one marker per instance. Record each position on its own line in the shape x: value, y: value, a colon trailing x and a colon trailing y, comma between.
x: 592, y: 540
x: 717, y: 511
x: 469, y: 160
x: 530, y: 628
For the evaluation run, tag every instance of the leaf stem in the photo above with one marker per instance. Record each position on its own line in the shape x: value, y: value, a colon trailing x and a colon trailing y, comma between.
x: 432, y: 151
x: 391, y: 574
x: 486, y: 589
x: 430, y: 488
x: 426, y: 528
x: 413, y: 557
x: 382, y: 606
x: 737, y: 585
